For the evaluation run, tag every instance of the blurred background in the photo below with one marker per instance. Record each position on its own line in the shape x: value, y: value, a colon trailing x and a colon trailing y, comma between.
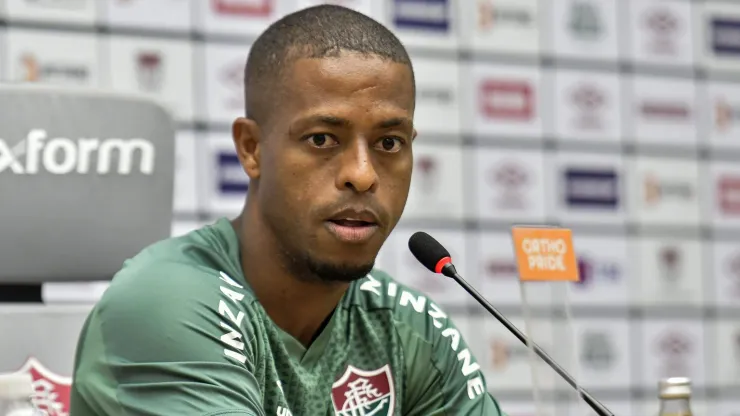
x: 617, y: 118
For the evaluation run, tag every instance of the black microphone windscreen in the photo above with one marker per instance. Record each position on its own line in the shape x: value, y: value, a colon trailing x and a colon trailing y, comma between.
x: 427, y: 250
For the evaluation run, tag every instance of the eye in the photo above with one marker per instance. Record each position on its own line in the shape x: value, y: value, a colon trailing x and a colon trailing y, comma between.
x: 391, y: 144
x: 321, y: 140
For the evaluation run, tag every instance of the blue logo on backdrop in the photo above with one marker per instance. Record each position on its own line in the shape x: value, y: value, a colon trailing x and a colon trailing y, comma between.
x: 726, y: 36
x: 422, y: 14
x: 231, y: 176
x: 592, y: 271
x: 591, y: 188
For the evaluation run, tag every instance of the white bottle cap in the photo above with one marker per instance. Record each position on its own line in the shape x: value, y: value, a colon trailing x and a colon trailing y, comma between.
x: 16, y: 386
x: 675, y: 387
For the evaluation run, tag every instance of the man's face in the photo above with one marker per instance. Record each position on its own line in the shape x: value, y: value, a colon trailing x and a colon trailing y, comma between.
x: 336, y: 162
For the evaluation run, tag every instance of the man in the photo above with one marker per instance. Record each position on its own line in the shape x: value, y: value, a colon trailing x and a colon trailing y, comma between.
x: 279, y: 312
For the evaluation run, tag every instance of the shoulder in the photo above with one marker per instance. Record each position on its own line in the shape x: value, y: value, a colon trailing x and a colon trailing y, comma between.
x: 195, y: 265
x: 176, y: 293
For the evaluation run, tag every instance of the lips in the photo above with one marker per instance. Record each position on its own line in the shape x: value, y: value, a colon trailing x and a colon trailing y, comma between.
x: 353, y: 225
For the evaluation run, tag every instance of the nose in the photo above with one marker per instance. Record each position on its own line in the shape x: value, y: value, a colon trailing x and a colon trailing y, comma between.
x: 357, y: 171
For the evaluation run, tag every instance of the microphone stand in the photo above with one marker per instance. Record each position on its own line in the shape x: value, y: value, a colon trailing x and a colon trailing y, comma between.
x: 449, y: 271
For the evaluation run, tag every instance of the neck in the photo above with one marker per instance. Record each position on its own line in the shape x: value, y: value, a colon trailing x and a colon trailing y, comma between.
x: 297, y: 305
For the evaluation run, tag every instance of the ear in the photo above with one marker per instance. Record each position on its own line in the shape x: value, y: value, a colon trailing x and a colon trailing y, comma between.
x: 246, y: 135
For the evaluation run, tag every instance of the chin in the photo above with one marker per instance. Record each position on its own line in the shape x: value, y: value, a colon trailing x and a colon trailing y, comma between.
x: 340, y: 271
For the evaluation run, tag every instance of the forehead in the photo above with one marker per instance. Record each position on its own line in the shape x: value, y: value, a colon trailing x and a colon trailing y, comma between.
x: 350, y: 78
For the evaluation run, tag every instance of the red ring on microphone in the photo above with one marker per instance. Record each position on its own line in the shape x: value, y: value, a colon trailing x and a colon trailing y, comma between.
x: 442, y: 263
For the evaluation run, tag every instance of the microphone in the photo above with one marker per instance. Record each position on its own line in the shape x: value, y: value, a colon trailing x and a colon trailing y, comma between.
x: 436, y: 258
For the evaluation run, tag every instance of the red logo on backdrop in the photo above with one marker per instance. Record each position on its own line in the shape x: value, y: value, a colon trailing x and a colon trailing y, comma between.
x: 728, y: 194
x: 253, y: 8
x: 664, y: 27
x: 671, y: 267
x: 675, y: 348
x: 507, y: 99
x: 232, y: 78
x: 665, y: 110
x: 511, y: 180
x: 232, y: 75
x: 674, y: 344
x: 427, y: 165
x: 589, y: 100
x: 149, y: 74
x: 360, y: 392
x: 51, y: 391
x: 501, y: 268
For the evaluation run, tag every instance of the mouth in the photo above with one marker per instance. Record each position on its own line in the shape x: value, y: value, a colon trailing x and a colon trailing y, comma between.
x: 354, y: 228
x: 348, y: 222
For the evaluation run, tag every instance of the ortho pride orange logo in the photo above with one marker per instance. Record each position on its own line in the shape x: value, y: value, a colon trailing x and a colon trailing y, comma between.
x: 545, y: 254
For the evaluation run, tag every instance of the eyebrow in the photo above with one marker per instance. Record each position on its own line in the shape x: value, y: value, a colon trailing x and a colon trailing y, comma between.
x: 395, y: 122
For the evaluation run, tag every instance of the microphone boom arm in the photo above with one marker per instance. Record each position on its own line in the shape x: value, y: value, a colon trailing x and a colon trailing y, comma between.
x: 449, y: 271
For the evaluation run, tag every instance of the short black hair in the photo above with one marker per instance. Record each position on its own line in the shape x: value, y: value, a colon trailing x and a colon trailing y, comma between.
x: 314, y: 32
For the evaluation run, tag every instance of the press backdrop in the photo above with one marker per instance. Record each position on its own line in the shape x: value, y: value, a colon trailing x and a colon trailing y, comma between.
x: 618, y: 118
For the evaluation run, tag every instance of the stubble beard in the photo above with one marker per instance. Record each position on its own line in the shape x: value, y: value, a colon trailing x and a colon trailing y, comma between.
x: 306, y: 267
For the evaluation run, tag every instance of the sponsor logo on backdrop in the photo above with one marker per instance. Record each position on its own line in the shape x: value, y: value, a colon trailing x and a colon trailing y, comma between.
x: 663, y: 27
x: 732, y: 274
x: 594, y: 272
x: 149, y: 72
x: 428, y: 173
x: 437, y: 95
x: 59, y: 4
x: 674, y: 349
x: 361, y: 392
x: 501, y: 268
x: 33, y: 69
x: 486, y: 15
x: 597, y: 350
x: 431, y: 15
x: 232, y: 78
x: 243, y: 8
x: 232, y: 180
x: 728, y: 194
x: 60, y: 156
x: 725, y: 32
x: 590, y: 101
x: 585, y: 21
x: 670, y: 265
x: 503, y: 353
x: 492, y: 15
x: 345, y: 3
x: 507, y: 99
x: 510, y: 179
x: 657, y: 190
x: 725, y: 115
x: 665, y: 110
x: 51, y: 391
x: 351, y: 4
x: 591, y: 188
